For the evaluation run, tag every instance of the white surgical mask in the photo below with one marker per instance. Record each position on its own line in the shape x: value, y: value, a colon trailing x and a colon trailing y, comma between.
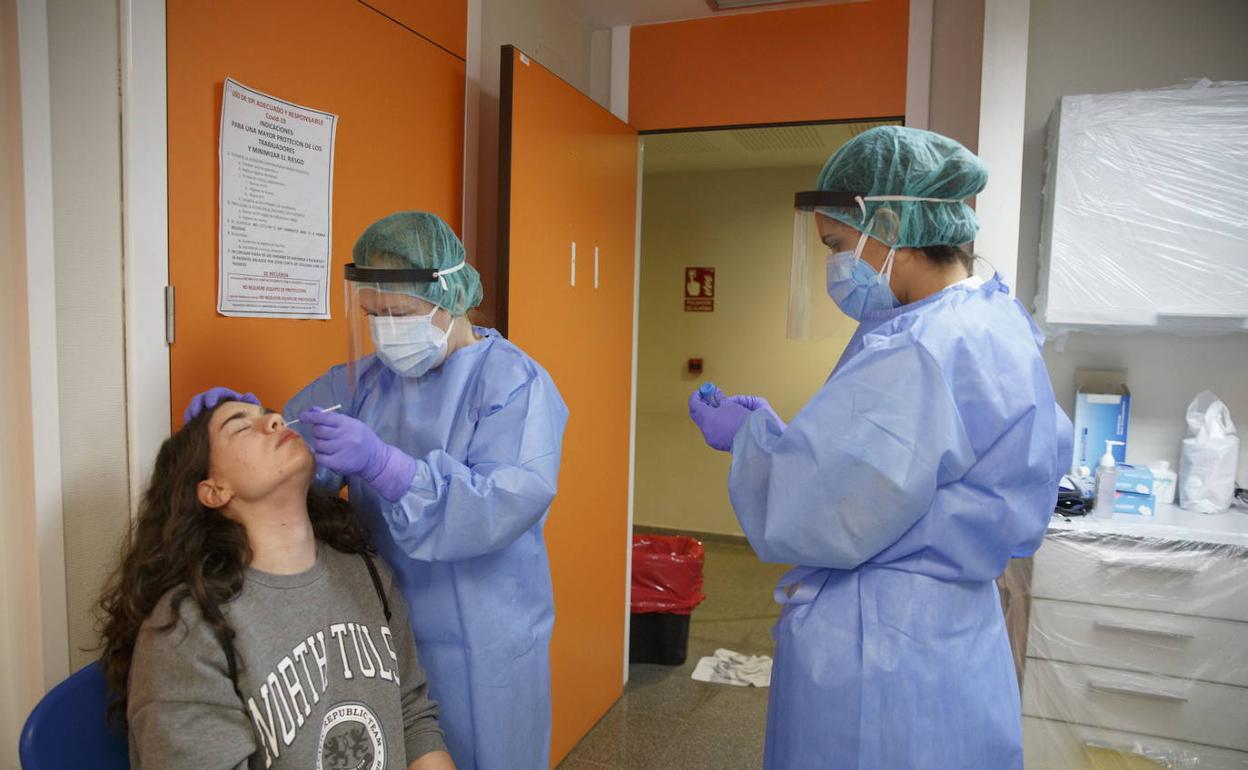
x: 410, y: 345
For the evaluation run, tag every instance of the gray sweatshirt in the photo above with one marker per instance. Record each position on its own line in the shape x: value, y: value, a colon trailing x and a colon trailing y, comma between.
x: 325, y: 682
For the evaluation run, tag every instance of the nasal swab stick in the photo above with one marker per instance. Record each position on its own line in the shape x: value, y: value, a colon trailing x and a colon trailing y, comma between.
x: 333, y: 408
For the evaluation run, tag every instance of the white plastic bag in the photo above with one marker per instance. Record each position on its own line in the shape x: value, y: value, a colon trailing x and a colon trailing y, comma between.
x: 1210, y: 456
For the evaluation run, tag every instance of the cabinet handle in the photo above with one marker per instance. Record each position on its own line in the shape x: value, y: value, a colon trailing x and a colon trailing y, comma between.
x: 1149, y: 564
x: 1232, y: 315
x: 1131, y: 628
x: 1163, y: 757
x: 595, y: 267
x: 574, y: 263
x: 1118, y: 688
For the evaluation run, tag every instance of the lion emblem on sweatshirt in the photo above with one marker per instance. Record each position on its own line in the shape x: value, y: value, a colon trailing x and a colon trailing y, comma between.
x: 351, y: 739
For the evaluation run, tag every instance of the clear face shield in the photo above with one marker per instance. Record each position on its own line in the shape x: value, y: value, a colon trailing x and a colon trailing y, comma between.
x: 387, y: 317
x: 817, y: 236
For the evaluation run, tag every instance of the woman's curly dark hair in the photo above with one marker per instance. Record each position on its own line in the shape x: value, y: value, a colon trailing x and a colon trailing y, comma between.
x: 178, y: 544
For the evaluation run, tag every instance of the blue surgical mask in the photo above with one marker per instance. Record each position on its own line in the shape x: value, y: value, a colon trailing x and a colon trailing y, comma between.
x: 409, y: 345
x: 855, y: 286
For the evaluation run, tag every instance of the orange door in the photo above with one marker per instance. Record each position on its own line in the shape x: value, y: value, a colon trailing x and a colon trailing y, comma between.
x: 400, y: 105
x: 569, y: 175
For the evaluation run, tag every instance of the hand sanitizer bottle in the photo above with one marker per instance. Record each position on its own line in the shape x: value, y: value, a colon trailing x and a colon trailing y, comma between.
x: 1106, y: 481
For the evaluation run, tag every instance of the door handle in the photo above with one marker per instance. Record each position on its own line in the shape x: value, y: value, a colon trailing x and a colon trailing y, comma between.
x: 595, y: 267
x: 574, y: 263
x: 1133, y: 628
x: 1121, y: 688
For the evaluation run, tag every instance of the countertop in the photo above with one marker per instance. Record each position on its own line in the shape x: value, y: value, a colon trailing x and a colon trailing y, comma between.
x: 1170, y: 523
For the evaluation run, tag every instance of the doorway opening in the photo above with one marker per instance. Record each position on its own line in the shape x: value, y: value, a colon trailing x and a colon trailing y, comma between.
x: 717, y: 224
x: 715, y: 247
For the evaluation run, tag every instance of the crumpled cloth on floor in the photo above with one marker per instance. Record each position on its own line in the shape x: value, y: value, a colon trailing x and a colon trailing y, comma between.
x: 728, y: 667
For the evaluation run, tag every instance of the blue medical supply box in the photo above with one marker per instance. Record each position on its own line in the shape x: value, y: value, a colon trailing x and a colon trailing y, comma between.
x: 1134, y: 479
x: 1102, y: 412
x: 1139, y: 505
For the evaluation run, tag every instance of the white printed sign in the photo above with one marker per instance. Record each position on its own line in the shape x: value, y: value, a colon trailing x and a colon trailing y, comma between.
x: 277, y: 190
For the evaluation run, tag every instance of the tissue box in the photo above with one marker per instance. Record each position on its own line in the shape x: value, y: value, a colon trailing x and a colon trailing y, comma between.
x: 1102, y: 412
x: 1139, y: 505
x: 1135, y: 480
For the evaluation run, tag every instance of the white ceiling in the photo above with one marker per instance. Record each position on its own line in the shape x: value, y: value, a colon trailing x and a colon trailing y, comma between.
x: 612, y: 13
x: 740, y: 148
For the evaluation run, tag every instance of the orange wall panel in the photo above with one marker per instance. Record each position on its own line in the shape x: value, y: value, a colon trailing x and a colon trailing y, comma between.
x: 400, y: 105
x: 832, y: 62
x: 572, y: 177
x: 445, y: 22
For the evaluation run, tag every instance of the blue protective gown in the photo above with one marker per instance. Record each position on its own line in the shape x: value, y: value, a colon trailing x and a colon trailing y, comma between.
x: 486, y: 429
x: 930, y: 457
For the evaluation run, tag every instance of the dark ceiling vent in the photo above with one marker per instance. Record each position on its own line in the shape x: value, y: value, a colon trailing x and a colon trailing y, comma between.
x: 732, y: 5
x: 781, y: 138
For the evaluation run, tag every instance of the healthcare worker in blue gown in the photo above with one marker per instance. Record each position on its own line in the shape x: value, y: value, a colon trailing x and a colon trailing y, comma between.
x: 449, y: 438
x: 929, y: 457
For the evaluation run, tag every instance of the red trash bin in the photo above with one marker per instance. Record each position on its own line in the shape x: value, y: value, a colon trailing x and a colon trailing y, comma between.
x: 666, y: 587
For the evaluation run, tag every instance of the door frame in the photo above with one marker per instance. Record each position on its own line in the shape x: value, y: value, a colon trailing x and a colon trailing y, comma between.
x: 632, y: 405
x: 145, y: 234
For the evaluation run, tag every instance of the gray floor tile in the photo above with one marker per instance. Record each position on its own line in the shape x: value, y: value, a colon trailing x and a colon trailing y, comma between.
x: 571, y: 763
x: 628, y: 738
x: 711, y: 634
x: 667, y: 720
x: 664, y: 692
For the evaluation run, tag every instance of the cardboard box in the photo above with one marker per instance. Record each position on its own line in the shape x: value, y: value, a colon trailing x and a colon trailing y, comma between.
x: 1102, y: 413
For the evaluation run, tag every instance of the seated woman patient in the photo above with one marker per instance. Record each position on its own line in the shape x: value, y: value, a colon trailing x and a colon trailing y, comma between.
x: 249, y: 626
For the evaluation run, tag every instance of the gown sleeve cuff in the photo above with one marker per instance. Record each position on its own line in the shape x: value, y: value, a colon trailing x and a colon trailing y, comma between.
x: 396, y: 475
x: 764, y: 427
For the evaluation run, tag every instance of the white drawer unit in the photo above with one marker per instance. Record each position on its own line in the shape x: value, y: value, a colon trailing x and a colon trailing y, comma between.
x: 1173, y: 645
x: 1137, y: 648
x: 1050, y: 745
x: 1163, y: 706
x: 1144, y: 574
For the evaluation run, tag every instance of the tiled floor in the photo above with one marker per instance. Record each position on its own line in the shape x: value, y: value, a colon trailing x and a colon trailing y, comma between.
x: 667, y: 720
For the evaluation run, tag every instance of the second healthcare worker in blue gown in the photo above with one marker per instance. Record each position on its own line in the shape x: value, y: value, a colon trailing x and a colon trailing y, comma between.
x: 449, y: 439
x: 930, y: 456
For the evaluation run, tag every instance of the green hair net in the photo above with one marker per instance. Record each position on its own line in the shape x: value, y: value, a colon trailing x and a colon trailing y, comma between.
x: 421, y: 239
x: 895, y: 160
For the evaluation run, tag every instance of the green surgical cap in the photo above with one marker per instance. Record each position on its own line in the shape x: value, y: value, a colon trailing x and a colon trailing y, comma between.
x: 894, y: 160
x: 421, y: 239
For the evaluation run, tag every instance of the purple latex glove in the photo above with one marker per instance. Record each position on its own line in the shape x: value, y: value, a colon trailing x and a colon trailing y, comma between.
x: 718, y: 423
x: 349, y: 447
x: 755, y: 403
x: 211, y: 397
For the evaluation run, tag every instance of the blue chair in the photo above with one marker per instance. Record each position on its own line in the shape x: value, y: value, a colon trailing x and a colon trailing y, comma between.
x: 68, y: 729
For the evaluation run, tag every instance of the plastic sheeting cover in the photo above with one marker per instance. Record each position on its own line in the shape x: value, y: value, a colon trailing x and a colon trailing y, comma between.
x: 1146, y: 211
x: 1136, y: 649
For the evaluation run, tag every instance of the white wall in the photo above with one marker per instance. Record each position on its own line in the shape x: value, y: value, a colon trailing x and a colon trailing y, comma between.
x: 740, y: 223
x: 86, y: 169
x: 957, y: 58
x: 1092, y: 46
